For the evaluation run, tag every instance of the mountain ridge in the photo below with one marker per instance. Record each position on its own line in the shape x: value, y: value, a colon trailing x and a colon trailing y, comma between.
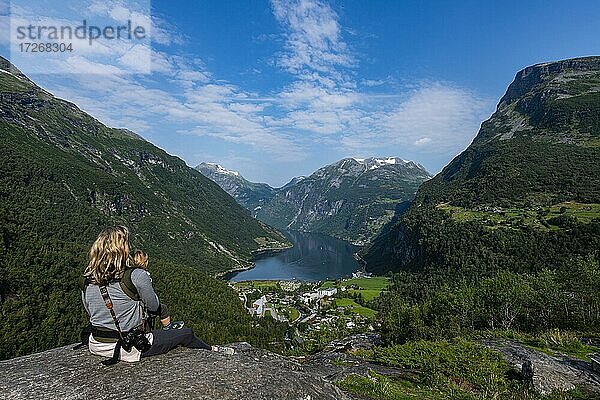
x: 535, y: 153
x: 351, y: 198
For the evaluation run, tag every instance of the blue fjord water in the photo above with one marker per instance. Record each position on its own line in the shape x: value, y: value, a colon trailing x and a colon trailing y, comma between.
x: 314, y: 257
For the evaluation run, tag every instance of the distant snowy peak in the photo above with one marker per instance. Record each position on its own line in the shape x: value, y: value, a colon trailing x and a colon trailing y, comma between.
x: 219, y: 169
x: 374, y: 162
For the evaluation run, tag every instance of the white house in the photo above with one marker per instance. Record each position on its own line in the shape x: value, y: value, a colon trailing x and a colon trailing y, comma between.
x: 258, y: 307
x: 310, y: 296
x: 327, y: 292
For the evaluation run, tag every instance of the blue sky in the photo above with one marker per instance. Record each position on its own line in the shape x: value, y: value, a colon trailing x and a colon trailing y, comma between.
x: 278, y: 88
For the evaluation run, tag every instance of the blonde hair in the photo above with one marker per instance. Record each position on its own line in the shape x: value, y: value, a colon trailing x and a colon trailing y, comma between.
x: 109, y: 255
x: 140, y: 259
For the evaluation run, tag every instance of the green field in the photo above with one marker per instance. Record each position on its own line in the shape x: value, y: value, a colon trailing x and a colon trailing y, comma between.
x: 263, y: 285
x: 369, y: 288
x: 293, y: 313
x: 549, y: 218
x: 354, y: 307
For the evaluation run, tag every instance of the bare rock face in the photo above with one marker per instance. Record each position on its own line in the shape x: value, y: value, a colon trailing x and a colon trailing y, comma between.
x: 595, y: 362
x: 251, y: 373
x: 545, y: 372
x: 359, y: 341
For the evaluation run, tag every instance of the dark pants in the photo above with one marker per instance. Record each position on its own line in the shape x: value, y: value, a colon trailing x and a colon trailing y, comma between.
x: 168, y: 340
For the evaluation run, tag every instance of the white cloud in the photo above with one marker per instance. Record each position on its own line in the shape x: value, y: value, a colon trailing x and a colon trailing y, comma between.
x: 313, y: 37
x: 444, y: 114
x: 81, y: 65
x: 433, y: 118
x: 372, y: 82
x: 127, y: 56
x: 422, y: 141
x: 122, y: 12
x: 139, y: 59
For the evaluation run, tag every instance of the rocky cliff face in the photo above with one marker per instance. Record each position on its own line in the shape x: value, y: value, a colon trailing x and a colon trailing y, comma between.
x: 546, y: 373
x: 557, y: 102
x: 537, y: 151
x: 251, y: 373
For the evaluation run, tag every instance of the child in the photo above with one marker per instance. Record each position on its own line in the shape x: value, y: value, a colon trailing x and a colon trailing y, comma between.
x: 140, y: 260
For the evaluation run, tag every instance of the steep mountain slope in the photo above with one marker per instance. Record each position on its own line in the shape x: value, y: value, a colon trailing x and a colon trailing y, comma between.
x: 63, y: 177
x: 248, y: 194
x: 350, y: 199
x: 524, y: 195
x: 57, y: 155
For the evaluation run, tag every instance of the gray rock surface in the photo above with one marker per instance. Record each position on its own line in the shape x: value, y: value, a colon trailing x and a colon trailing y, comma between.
x: 358, y: 341
x: 595, y: 358
x: 251, y: 373
x: 334, y: 366
x: 547, y: 373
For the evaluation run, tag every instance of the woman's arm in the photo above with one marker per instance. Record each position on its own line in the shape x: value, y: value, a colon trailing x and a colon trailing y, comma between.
x: 85, y: 304
x: 143, y: 283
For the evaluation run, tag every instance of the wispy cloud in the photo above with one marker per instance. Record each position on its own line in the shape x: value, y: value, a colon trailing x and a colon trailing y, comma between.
x: 313, y: 38
x: 327, y: 104
x: 433, y: 118
x: 327, y: 100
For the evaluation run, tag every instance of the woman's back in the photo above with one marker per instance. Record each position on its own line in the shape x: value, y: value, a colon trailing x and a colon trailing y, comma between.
x: 128, y: 311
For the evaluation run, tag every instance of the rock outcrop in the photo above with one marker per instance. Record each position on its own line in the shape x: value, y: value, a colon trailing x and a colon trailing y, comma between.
x: 251, y: 373
x: 546, y: 373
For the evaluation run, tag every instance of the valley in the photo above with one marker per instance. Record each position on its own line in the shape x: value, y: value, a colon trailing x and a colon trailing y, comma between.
x: 317, y: 312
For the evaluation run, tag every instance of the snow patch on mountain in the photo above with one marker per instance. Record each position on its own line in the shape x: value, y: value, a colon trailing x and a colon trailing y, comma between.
x: 221, y: 170
x: 372, y: 163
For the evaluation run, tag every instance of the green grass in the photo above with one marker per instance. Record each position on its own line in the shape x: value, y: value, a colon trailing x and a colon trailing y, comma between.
x: 374, y: 283
x: 328, y: 284
x: 564, y: 342
x: 549, y: 342
x: 345, y: 302
x: 382, y: 387
x: 293, y: 313
x: 442, y: 370
x: 385, y: 388
x: 369, y: 288
x: 368, y: 295
x: 540, y: 217
x: 354, y: 307
x: 9, y: 83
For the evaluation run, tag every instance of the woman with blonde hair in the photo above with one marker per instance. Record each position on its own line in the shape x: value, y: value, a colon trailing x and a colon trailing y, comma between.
x: 116, y: 318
